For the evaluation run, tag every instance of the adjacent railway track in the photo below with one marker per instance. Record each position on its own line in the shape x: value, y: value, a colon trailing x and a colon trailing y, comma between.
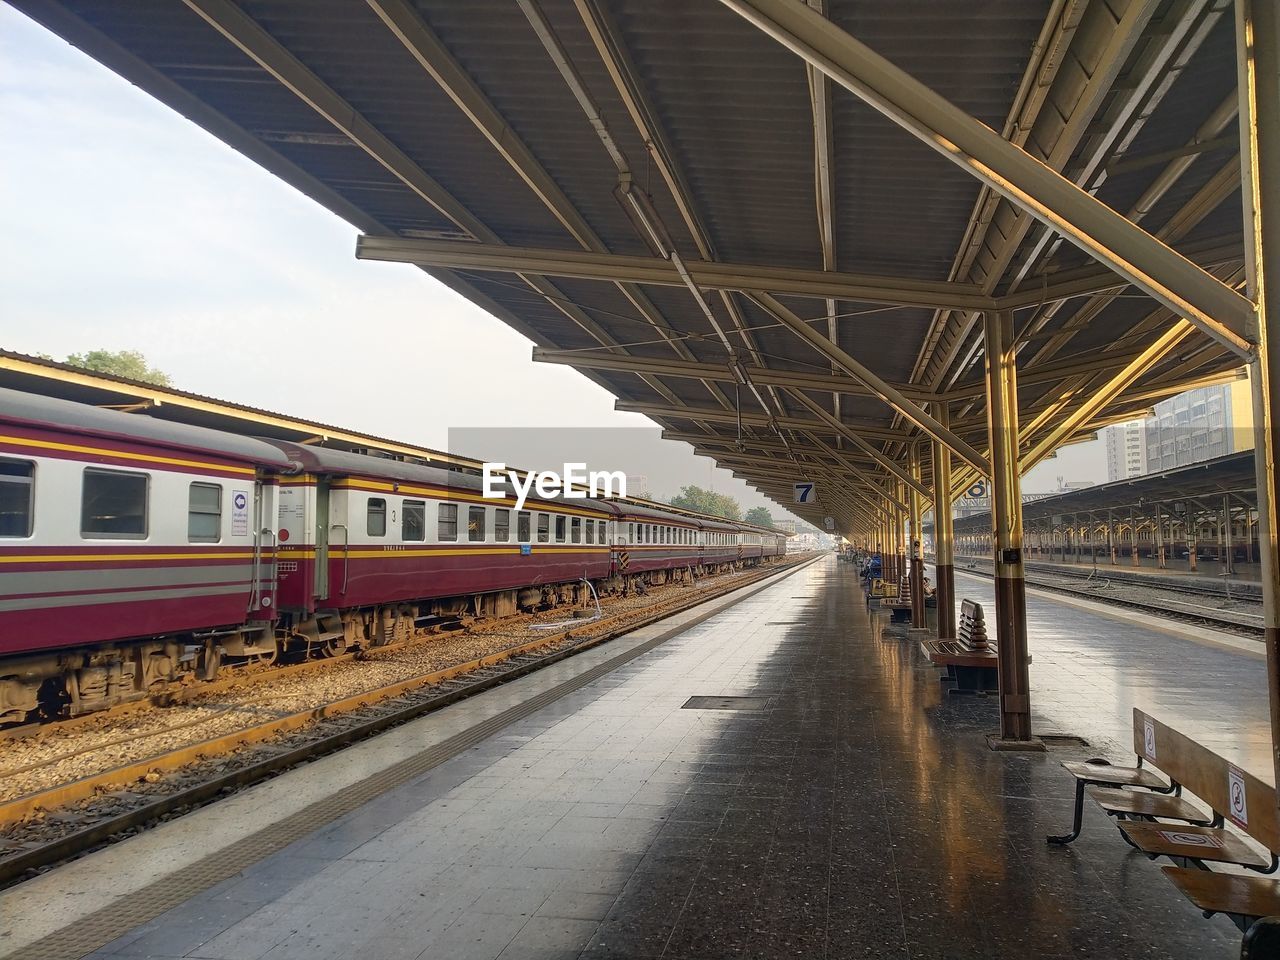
x: 1161, y: 598
x: 43, y: 827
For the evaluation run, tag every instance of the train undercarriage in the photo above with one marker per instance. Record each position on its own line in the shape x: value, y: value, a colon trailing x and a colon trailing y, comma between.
x: 75, y: 681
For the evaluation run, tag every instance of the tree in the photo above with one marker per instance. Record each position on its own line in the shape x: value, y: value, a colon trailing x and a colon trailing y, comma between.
x: 760, y: 516
x: 129, y: 364
x: 707, y: 501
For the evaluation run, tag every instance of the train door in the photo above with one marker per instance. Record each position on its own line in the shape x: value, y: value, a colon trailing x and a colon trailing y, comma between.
x: 320, y: 582
x: 264, y: 548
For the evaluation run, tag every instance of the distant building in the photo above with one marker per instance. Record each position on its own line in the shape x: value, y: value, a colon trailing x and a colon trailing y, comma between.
x: 786, y: 526
x: 1126, y: 449
x: 1199, y: 425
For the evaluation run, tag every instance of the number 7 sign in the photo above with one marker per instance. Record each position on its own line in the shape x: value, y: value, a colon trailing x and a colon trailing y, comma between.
x: 804, y: 492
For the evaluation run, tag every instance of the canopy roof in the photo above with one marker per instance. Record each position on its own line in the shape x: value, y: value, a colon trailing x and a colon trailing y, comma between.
x: 665, y: 195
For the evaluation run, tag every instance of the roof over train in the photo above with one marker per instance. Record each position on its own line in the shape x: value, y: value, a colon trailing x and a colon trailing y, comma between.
x: 62, y: 415
x: 545, y: 159
x: 1230, y: 475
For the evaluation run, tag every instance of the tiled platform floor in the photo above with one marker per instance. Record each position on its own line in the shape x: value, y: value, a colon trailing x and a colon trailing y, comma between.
x: 858, y: 815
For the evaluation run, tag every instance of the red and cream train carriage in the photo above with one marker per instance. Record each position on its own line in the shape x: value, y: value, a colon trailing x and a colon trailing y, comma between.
x: 113, y: 527
x: 369, y: 547
x: 135, y: 551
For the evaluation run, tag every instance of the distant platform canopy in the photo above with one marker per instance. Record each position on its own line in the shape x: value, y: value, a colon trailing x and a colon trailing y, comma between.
x: 1174, y: 492
x: 774, y: 227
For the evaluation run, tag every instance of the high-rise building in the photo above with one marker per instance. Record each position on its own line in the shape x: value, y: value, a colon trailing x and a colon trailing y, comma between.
x: 1199, y: 425
x: 1126, y: 449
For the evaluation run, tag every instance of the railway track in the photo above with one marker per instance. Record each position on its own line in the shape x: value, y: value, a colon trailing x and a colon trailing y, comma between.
x: 45, y: 827
x: 1162, y: 598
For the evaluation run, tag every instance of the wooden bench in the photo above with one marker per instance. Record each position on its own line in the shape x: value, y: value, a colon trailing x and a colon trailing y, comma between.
x: 1198, y: 838
x: 970, y: 659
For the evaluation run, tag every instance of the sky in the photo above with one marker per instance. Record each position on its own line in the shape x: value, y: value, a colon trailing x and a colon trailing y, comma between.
x: 128, y: 227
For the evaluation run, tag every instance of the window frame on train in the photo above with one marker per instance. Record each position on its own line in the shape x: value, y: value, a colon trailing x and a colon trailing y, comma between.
x: 196, y: 512
x: 447, y: 523
x: 15, y: 481
x: 476, y: 524
x: 544, y: 528
x: 501, y: 525
x: 88, y: 533
x: 375, y: 517
x: 561, y: 526
x: 524, y: 527
x: 416, y: 508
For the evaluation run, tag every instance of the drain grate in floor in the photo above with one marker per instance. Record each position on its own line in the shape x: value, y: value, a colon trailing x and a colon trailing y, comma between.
x: 726, y: 703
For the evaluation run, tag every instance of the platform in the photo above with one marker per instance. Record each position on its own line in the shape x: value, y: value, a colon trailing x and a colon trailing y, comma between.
x: 849, y: 809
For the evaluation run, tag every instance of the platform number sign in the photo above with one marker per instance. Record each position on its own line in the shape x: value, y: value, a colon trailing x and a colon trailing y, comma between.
x: 1149, y: 738
x: 1236, y: 798
x: 806, y: 492
x: 977, y: 491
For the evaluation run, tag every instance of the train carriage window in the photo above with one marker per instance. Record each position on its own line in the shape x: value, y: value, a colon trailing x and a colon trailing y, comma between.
x: 575, y: 528
x: 544, y: 528
x: 522, y: 527
x: 204, y: 513
x: 475, y: 523
x: 376, y: 517
x: 591, y: 531
x: 501, y: 525
x: 413, y: 521
x: 17, y: 497
x: 560, y: 538
x: 604, y: 531
x: 447, y: 522
x: 113, y: 504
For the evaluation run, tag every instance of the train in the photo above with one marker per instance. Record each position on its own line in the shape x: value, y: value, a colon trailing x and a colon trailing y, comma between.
x: 137, y: 552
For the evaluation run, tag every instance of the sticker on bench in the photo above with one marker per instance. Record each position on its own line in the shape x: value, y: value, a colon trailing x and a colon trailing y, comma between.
x: 1149, y: 738
x: 1191, y: 839
x: 1239, y: 812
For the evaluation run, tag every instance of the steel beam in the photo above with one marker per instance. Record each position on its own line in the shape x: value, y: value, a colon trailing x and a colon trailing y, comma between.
x: 1258, y: 67
x: 1034, y: 187
x: 694, y: 370
x: 435, y: 58
x: 877, y: 455
x: 716, y: 415
x: 612, y: 267
x: 890, y: 394
x: 1063, y: 427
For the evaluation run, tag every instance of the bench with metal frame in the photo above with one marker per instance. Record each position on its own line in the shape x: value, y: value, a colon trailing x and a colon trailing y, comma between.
x: 970, y: 660
x: 1139, y: 800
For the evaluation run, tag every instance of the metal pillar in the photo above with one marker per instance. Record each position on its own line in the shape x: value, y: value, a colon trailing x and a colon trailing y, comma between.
x: 1258, y: 63
x: 1160, y: 561
x: 943, y: 529
x: 1228, y: 546
x: 916, y: 545
x: 1134, y: 559
x: 1006, y: 517
x: 1111, y: 537
x: 899, y: 535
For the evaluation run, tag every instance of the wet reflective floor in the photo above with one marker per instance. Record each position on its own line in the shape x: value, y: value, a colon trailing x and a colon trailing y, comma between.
x: 850, y: 809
